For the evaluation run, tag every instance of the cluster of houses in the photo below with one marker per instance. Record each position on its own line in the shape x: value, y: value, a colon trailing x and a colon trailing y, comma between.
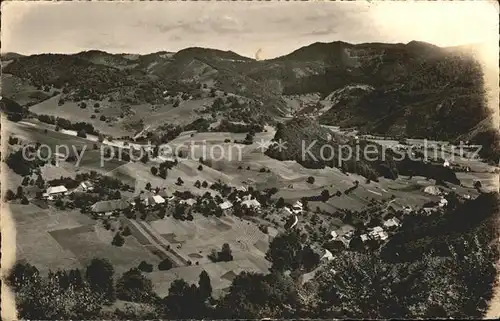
x: 54, y: 192
x: 378, y: 233
x: 296, y: 208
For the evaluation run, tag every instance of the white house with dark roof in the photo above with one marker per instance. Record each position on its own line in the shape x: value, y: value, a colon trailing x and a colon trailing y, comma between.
x: 86, y: 186
x: 392, y: 222
x: 251, y: 203
x: 108, y: 207
x: 225, y: 205
x: 55, y: 191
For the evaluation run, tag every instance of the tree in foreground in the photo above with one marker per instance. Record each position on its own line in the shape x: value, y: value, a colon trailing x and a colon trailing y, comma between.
x: 184, y: 301
x: 99, y: 275
x: 145, y: 267
x: 133, y: 286
x: 204, y: 285
x: 118, y: 240
x: 165, y: 265
x: 255, y: 296
x: 285, y: 252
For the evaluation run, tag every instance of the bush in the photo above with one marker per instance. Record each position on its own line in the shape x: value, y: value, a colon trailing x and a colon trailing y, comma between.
x: 9, y: 195
x: 96, y: 105
x: 145, y: 267
x: 310, y: 180
x: 102, y: 118
x: 165, y: 265
x: 200, y: 168
x: 93, y: 116
x: 118, y: 240
x: 83, y: 105
x: 81, y: 133
x: 126, y: 231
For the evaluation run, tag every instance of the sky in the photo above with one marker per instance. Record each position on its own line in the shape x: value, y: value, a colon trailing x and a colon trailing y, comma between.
x: 270, y: 28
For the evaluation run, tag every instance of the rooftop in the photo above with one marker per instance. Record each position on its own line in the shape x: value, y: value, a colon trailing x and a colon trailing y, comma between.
x: 56, y: 189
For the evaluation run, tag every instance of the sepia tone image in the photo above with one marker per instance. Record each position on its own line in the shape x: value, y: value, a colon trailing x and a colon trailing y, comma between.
x: 249, y: 160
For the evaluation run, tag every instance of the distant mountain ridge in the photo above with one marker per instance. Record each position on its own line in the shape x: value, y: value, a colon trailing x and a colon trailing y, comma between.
x: 418, y: 89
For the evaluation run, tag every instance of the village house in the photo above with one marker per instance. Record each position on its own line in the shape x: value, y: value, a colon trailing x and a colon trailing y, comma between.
x: 225, y: 205
x: 109, y: 207
x: 297, y: 207
x: 251, y: 203
x: 327, y: 256
x: 55, y: 191
x: 86, y: 186
x: 378, y: 233
x: 343, y: 234
x: 443, y: 202
x: 189, y: 201
x: 392, y: 222
x: 153, y: 200
x: 407, y: 209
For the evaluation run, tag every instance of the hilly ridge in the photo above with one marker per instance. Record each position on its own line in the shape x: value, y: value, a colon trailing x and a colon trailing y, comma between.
x: 416, y: 89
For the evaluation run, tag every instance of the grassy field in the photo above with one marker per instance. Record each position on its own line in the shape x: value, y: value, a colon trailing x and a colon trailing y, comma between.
x: 52, y: 239
x: 221, y: 274
x: 180, y: 115
x: 70, y: 110
x: 33, y: 131
x: 196, y: 239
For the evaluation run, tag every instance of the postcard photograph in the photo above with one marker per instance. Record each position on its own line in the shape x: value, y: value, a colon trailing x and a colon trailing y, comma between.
x: 249, y: 160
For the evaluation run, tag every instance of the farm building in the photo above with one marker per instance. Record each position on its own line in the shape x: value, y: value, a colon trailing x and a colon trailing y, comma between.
x: 86, y: 186
x: 153, y: 200
x: 344, y: 230
x: 328, y: 256
x: 108, y: 207
x: 392, y: 222
x: 55, y: 191
x: 378, y: 233
x: 432, y: 190
x: 251, y: 203
x: 226, y: 205
x: 189, y: 201
x: 297, y: 207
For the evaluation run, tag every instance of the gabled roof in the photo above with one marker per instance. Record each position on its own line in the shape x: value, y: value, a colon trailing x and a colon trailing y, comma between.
x: 158, y: 199
x: 226, y: 205
x: 392, y: 222
x: 109, y: 206
x: 189, y: 201
x: 328, y: 255
x: 56, y: 189
x: 86, y: 184
x: 251, y: 203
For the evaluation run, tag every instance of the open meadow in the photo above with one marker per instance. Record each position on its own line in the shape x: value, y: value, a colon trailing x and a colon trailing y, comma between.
x: 54, y: 239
